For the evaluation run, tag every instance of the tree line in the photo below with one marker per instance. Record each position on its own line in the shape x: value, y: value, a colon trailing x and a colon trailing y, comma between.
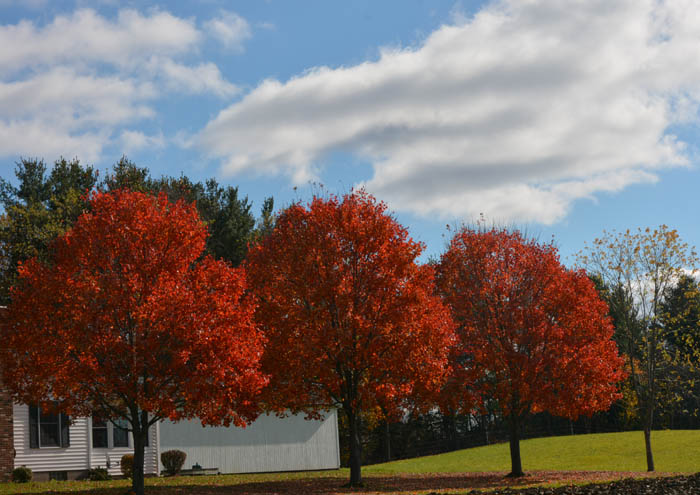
x: 140, y: 299
x: 45, y: 203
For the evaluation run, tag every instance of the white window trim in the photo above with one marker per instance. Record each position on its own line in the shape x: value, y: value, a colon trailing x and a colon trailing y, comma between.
x: 38, y: 430
x: 110, y: 438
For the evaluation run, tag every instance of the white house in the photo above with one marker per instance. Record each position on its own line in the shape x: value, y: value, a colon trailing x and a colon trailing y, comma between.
x: 269, y: 444
x: 56, y: 448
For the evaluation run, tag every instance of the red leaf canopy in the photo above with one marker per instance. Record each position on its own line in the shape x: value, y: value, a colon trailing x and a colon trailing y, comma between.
x: 533, y: 335
x: 127, y: 315
x: 350, y: 316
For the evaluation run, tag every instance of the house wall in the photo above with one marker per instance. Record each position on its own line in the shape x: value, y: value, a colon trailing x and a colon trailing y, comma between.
x: 112, y: 456
x: 269, y: 444
x: 6, y: 435
x: 77, y: 458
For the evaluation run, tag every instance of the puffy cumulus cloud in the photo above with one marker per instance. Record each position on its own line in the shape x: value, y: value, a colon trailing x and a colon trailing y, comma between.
x: 203, y: 78
x: 61, y: 112
x: 516, y: 112
x: 74, y: 85
x: 87, y: 37
x: 230, y: 29
x: 36, y: 138
x: 67, y: 99
x: 136, y: 140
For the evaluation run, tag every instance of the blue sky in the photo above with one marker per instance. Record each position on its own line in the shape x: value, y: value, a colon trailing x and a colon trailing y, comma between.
x: 566, y: 118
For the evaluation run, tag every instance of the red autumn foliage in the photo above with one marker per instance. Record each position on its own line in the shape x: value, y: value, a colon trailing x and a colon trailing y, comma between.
x: 532, y: 335
x: 126, y: 320
x: 351, y: 318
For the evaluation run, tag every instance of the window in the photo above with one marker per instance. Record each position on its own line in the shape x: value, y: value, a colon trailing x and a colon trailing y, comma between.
x: 48, y: 430
x: 109, y: 434
x: 120, y: 433
x: 99, y: 434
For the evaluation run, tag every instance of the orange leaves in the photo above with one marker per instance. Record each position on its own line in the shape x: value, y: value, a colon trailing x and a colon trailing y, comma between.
x: 533, y: 335
x: 127, y: 314
x: 350, y: 317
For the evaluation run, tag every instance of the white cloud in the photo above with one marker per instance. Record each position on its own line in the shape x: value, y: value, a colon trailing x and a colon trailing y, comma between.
x: 230, y: 29
x: 81, y: 81
x: 203, y: 78
x: 35, y: 138
x: 61, y: 112
x: 136, y: 140
x: 516, y: 112
x: 87, y: 37
x: 74, y: 101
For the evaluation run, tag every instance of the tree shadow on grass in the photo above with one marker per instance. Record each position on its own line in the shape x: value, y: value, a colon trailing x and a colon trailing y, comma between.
x: 373, y: 484
x: 421, y: 483
x: 378, y: 484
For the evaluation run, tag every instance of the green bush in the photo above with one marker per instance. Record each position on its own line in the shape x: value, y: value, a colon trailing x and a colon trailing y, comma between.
x: 98, y: 474
x: 127, y: 465
x: 173, y: 460
x: 22, y: 474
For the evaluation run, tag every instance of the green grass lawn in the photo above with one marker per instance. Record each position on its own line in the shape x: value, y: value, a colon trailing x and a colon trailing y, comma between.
x: 674, y: 451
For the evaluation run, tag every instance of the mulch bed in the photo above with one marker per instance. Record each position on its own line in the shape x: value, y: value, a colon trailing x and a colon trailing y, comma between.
x: 677, y: 485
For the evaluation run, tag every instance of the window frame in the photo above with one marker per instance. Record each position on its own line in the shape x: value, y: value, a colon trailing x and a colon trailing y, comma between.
x: 56, y: 424
x: 127, y: 434
x: 34, y: 427
x: 110, y: 428
x: 93, y: 426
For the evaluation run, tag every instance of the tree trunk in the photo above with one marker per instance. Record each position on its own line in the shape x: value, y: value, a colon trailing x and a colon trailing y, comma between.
x: 137, y: 481
x: 648, y: 423
x: 516, y: 469
x: 450, y: 427
x: 387, y: 441
x: 647, y: 444
x: 355, y: 448
x: 139, y: 423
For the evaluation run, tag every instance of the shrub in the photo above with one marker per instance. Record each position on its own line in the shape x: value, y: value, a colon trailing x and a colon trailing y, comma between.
x: 173, y: 460
x: 127, y: 465
x: 98, y: 474
x: 22, y: 474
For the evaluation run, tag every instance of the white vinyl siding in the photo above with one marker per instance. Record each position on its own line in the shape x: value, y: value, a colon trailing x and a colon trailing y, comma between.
x: 103, y: 457
x: 269, y: 444
x: 80, y: 456
x: 73, y: 458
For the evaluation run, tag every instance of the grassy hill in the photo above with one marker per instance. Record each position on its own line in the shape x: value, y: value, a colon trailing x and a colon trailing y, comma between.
x: 674, y: 451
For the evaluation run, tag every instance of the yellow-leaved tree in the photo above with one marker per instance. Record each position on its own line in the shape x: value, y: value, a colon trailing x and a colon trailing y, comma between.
x: 638, y: 268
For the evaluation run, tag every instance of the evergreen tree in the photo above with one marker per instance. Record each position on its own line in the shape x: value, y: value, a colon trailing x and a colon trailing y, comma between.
x: 37, y: 210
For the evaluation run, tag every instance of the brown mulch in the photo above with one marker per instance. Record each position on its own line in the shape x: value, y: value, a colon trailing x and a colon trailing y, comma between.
x: 473, y: 483
x: 676, y: 485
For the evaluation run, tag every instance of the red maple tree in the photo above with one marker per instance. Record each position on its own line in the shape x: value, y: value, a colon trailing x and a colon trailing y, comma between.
x: 532, y: 335
x: 351, y: 319
x: 127, y: 321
